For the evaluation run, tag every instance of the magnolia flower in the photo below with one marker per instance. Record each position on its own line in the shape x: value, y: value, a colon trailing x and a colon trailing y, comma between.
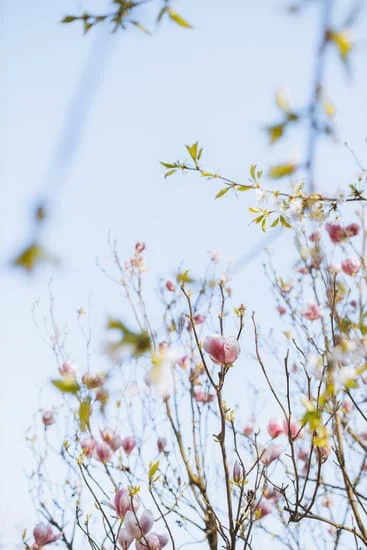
x: 202, y: 396
x: 293, y: 429
x: 222, y: 351
x: 352, y: 230
x: 48, y: 418
x: 124, y: 538
x: 170, y: 286
x: 237, y: 471
x: 89, y: 446
x: 129, y: 444
x: 350, y: 266
x: 263, y: 508
x: 68, y: 369
x: 281, y: 310
x: 271, y: 453
x: 112, y: 439
x: 312, y: 312
x: 335, y: 231
x: 139, y: 247
x: 103, y: 452
x: 248, y: 429
x: 43, y: 535
x: 93, y: 381
x: 137, y: 528
x: 275, y: 428
x: 123, y: 502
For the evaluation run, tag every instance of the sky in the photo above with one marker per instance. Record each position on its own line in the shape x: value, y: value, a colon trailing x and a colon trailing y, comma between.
x: 146, y: 97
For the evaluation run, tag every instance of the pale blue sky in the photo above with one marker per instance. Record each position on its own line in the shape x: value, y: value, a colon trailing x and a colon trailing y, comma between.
x: 214, y: 84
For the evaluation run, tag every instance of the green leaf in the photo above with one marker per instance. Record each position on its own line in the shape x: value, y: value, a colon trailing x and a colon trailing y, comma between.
x: 153, y: 470
x: 69, y: 19
x: 32, y: 256
x: 275, y: 132
x: 253, y: 171
x: 244, y: 187
x: 275, y: 222
x: 85, y: 411
x: 168, y: 165
x: 284, y: 222
x: 170, y: 172
x: 222, y: 192
x: 139, y: 341
x: 174, y: 16
x: 193, y: 150
x: 282, y: 170
x: 66, y: 385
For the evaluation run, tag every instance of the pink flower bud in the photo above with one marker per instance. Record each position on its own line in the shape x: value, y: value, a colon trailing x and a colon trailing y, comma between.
x: 103, y: 453
x: 237, y: 472
x: 275, y: 428
x: 271, y: 453
x: 202, y: 396
x: 293, y: 429
x: 43, y: 535
x: 248, y: 430
x: 152, y: 540
x: 199, y: 319
x: 161, y: 444
x: 352, y: 229
x: 281, y: 310
x: 312, y: 312
x: 222, y: 351
x: 112, y: 439
x: 335, y: 232
x: 89, y: 446
x: 263, y: 508
x: 67, y: 369
x: 184, y: 361
x: 132, y: 526
x: 93, y: 381
x: 350, y: 266
x: 170, y: 286
x: 139, y: 247
x: 48, y: 418
x: 124, y: 539
x: 129, y: 444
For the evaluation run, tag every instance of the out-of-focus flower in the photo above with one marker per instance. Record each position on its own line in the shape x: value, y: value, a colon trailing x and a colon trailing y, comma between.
x: 170, y: 286
x: 350, y: 266
x: 93, y: 381
x: 124, y: 538
x: 214, y: 256
x: 248, y: 429
x: 222, y: 350
x: 161, y: 444
x: 68, y: 369
x: 312, y: 312
x: 48, y: 418
x: 275, y: 427
x: 44, y: 535
x: 271, y: 453
x: 202, y: 396
x: 263, y: 508
x: 129, y: 444
x: 281, y: 310
x: 139, y: 247
x: 293, y: 429
x: 198, y: 319
x: 103, y: 452
x: 112, y: 439
x: 237, y: 472
x: 123, y: 502
x: 352, y: 229
x: 315, y: 237
x: 89, y: 446
x: 335, y: 232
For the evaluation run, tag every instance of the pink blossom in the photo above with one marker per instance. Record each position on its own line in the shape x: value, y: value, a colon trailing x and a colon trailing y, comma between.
x: 312, y: 312
x: 123, y: 502
x: 315, y: 237
x: 129, y: 444
x: 271, y: 453
x: 199, y: 319
x: 137, y: 528
x: 184, y: 361
x: 103, y: 452
x: 163, y: 538
x: 352, y: 230
x: 202, y: 396
x: 347, y: 406
x: 161, y: 444
x: 271, y: 494
x: 292, y: 428
x: 43, y: 535
x: 93, y: 381
x: 350, y: 266
x: 281, y: 310
x: 263, y: 508
x: 324, y: 452
x: 153, y: 543
x: 222, y: 351
x: 248, y: 429
x: 237, y: 472
x: 275, y: 428
x: 89, y: 446
x: 146, y: 521
x: 170, y: 286
x: 335, y: 231
x: 48, y: 418
x: 112, y: 439
x: 68, y: 369
x: 124, y: 539
x: 139, y: 247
